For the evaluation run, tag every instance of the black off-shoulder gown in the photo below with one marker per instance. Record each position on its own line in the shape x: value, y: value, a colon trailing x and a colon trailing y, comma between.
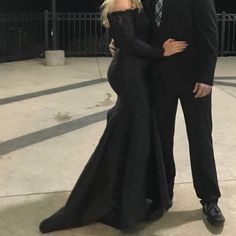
x: 124, y: 181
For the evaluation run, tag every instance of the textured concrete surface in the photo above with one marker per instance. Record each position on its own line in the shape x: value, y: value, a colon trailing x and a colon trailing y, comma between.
x: 50, y: 122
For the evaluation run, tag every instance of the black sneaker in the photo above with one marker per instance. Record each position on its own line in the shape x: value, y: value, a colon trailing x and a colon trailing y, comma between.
x: 213, y: 213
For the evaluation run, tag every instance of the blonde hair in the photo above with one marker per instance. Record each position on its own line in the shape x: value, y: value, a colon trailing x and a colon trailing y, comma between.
x: 107, y: 6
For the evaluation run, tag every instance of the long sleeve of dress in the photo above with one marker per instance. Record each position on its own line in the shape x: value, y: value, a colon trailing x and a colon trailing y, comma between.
x: 122, y: 29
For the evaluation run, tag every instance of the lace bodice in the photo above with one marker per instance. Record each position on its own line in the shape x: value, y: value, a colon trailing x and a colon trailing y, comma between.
x: 129, y: 29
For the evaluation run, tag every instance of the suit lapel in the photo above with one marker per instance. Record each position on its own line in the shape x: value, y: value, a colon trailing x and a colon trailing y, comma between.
x: 151, y: 7
x: 147, y: 4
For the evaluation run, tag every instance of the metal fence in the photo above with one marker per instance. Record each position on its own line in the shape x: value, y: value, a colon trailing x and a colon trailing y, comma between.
x: 79, y: 34
x: 28, y: 35
x: 21, y: 36
x: 227, y: 34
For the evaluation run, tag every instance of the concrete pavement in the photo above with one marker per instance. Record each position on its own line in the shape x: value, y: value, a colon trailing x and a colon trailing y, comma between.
x: 51, y: 119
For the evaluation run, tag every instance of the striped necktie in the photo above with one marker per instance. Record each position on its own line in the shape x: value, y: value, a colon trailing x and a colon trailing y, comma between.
x: 158, y: 12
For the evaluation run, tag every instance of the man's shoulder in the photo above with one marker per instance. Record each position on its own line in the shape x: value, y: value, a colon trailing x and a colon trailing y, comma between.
x: 147, y: 3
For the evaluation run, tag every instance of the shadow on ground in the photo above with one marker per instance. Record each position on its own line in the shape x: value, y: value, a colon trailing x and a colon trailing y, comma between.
x: 23, y: 216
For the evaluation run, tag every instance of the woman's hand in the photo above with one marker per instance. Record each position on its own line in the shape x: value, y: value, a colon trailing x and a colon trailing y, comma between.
x: 172, y: 47
x: 112, y: 47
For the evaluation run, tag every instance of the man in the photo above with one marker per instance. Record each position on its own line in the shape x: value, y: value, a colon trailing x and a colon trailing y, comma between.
x: 187, y: 77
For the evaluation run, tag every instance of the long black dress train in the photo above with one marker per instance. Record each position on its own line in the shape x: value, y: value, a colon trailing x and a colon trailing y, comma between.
x: 123, y: 182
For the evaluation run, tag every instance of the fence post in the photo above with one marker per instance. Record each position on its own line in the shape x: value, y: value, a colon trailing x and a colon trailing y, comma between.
x: 222, y: 46
x: 46, y: 29
x: 54, y: 25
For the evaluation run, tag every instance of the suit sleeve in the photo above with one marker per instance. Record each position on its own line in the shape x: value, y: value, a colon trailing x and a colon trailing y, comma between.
x: 122, y: 28
x: 205, y: 20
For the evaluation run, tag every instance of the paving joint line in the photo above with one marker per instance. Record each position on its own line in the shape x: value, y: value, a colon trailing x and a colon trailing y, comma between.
x: 226, y: 92
x: 68, y: 191
x: 190, y: 182
x: 33, y: 194
x: 99, y: 68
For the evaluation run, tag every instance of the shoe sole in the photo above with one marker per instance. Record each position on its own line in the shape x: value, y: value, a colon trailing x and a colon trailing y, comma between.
x: 217, y: 224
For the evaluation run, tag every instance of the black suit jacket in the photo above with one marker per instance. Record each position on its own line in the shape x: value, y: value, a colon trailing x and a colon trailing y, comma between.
x: 196, y: 22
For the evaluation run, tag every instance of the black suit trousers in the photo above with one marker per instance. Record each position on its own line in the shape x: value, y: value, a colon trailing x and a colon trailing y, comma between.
x: 198, y: 119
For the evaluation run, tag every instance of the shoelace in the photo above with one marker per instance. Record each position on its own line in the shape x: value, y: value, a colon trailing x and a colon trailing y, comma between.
x: 214, y: 209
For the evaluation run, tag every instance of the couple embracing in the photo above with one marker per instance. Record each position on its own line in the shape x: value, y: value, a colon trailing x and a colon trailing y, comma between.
x: 164, y: 51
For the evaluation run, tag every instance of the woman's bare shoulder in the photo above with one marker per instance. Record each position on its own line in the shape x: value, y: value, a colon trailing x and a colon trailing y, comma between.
x: 121, y: 5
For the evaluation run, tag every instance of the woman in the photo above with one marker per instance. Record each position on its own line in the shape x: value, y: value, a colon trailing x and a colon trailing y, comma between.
x: 123, y: 182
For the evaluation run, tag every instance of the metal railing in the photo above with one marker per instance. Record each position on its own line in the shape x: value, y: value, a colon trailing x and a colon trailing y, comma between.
x: 28, y: 35
x: 79, y: 34
x: 227, y: 34
x: 21, y: 36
